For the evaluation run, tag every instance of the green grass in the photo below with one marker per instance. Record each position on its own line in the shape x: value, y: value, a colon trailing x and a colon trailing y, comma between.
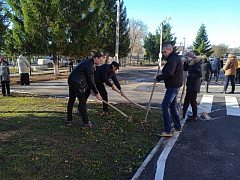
x: 35, y: 142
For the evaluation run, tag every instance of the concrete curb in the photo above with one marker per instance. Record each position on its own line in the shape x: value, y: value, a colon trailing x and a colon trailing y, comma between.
x: 148, y: 159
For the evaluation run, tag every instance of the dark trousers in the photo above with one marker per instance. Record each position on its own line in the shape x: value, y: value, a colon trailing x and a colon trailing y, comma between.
x: 103, y: 92
x: 70, y: 67
x: 5, y: 84
x: 190, y: 98
x: 237, y: 79
x: 24, y: 79
x: 216, y: 75
x: 227, y: 79
x: 82, y: 97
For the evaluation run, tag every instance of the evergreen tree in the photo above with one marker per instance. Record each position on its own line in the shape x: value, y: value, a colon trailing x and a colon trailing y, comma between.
x: 17, y: 35
x: 82, y: 30
x: 167, y: 38
x: 107, y: 29
x: 151, y: 48
x: 3, y: 26
x: 201, y: 46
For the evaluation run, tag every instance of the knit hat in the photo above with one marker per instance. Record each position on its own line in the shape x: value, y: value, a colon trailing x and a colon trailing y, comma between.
x: 190, y: 54
x: 204, y: 56
x: 2, y: 59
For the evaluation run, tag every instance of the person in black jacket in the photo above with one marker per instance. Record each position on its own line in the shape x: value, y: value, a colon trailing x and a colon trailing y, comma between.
x: 194, y: 73
x: 81, y: 77
x: 206, y: 71
x: 102, y: 75
x: 172, y: 74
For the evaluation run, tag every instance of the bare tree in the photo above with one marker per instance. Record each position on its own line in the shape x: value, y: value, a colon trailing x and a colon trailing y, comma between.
x: 219, y: 50
x: 138, y: 32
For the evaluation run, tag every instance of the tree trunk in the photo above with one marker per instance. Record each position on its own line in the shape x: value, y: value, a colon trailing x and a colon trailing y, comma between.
x: 55, y: 63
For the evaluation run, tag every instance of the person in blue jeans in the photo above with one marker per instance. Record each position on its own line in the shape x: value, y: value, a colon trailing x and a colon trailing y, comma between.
x: 172, y: 74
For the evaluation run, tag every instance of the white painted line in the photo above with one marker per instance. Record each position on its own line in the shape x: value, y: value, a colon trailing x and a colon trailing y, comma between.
x: 163, y: 157
x: 232, y: 106
x: 206, y: 102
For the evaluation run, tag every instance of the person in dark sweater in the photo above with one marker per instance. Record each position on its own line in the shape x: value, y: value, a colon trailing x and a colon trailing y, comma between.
x: 206, y: 71
x: 192, y: 66
x: 172, y: 74
x: 102, y: 75
x: 80, y: 81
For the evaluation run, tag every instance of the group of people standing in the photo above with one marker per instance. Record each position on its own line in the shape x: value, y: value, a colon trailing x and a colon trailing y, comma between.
x: 229, y: 70
x: 23, y: 68
x: 197, y: 69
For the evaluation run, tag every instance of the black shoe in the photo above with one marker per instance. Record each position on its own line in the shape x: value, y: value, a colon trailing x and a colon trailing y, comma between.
x: 231, y: 92
x: 224, y: 92
x: 90, y: 124
x: 70, y: 123
x: 79, y: 112
x: 192, y: 119
x: 4, y: 94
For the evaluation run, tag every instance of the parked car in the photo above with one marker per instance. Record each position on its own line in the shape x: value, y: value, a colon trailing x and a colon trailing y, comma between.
x: 211, y: 58
x: 225, y: 58
x: 49, y: 62
x: 46, y: 61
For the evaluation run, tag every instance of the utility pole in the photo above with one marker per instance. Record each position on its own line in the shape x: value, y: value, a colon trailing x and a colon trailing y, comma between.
x: 184, y: 43
x: 117, y: 32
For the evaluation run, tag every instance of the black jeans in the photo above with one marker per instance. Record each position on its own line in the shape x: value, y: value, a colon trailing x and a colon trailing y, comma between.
x: 24, y: 79
x: 82, y: 97
x: 103, y: 92
x: 5, y: 84
x: 227, y: 79
x: 190, y: 98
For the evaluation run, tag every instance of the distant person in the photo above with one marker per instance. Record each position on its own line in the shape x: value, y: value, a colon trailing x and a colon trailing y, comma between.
x: 2, y: 60
x: 206, y: 71
x: 5, y: 78
x: 70, y: 63
x: 23, y: 65
x: 216, y: 66
x: 108, y: 60
x: 221, y: 62
x: 102, y: 75
x: 172, y: 74
x: 230, y: 72
x: 237, y: 79
x: 81, y: 77
x: 192, y: 66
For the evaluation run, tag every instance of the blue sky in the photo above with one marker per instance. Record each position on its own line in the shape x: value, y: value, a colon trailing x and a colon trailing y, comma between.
x: 221, y: 18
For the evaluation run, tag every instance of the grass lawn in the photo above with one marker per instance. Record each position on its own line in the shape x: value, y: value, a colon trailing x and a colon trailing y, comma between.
x: 35, y: 142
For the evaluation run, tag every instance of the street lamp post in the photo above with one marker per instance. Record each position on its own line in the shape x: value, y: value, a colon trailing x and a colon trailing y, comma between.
x: 117, y: 32
x: 159, y: 65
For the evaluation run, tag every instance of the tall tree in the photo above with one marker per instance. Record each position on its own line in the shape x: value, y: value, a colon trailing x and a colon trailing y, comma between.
x: 202, y: 45
x: 138, y: 33
x: 151, y: 48
x: 3, y: 25
x: 107, y: 29
x: 167, y: 37
x: 82, y: 17
x: 219, y: 50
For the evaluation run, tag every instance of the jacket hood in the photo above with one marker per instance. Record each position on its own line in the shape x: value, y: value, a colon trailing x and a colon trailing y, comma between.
x: 195, y: 60
x: 231, y: 56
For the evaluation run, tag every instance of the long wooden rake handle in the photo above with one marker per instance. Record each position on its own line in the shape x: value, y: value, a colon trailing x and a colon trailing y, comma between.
x: 129, y: 117
x: 133, y: 101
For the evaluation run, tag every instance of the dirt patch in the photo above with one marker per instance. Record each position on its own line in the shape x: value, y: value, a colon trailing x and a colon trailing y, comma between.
x: 49, y: 77
x: 40, y: 77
